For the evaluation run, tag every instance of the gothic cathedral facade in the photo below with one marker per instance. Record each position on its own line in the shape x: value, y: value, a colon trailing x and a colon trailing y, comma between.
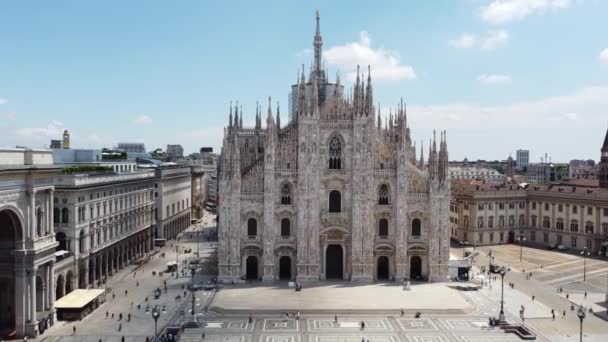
x: 336, y: 193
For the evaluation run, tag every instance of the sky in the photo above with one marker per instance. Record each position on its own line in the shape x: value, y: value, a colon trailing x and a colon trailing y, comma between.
x: 498, y: 75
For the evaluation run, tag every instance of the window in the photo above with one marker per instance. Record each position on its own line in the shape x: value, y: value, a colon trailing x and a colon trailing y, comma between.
x: 335, y: 153
x: 511, y: 205
x: 559, y: 225
x: 511, y: 220
x: 490, y: 206
x: 589, y: 227
x: 605, y: 211
x: 286, y: 194
x: 82, y: 242
x: 589, y: 210
x: 522, y: 220
x: 533, y: 221
x: 480, y: 222
x: 559, y: 239
x: 533, y: 205
x: 501, y: 221
x: 546, y: 237
x: 465, y: 220
x: 574, y: 226
x: 560, y: 208
x: 383, y: 195
x: 501, y: 206
x: 167, y: 211
x: 56, y: 215
x: 573, y: 241
x: 252, y: 227
x: 416, y: 227
x: 383, y: 227
x: 502, y: 236
x: 574, y: 209
x: 65, y: 215
x: 533, y: 235
x: 480, y: 206
x: 490, y: 222
x: 335, y: 201
x: 491, y: 237
x: 522, y: 205
x: 285, y: 227
x: 546, y: 222
x: 605, y: 228
x: 588, y: 243
x: 480, y: 237
x: 546, y: 206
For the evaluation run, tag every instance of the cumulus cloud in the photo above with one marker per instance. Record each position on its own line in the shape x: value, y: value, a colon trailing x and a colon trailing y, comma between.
x: 490, y: 41
x: 502, y: 11
x: 52, y: 130
x: 494, y: 78
x: 464, y: 41
x: 143, y: 119
x: 3, y: 101
x: 385, y: 64
x: 604, y: 56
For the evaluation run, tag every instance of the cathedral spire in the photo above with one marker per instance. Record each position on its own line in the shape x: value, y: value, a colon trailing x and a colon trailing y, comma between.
x: 379, y: 118
x: 236, y: 115
x: 241, y: 118
x: 318, y: 44
x: 278, y: 116
x: 421, y: 154
x: 230, y: 117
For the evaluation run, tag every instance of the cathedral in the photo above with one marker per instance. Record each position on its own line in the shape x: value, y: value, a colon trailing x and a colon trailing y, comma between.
x: 337, y: 192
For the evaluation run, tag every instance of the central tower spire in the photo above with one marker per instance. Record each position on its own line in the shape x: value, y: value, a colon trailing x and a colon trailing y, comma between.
x: 318, y: 45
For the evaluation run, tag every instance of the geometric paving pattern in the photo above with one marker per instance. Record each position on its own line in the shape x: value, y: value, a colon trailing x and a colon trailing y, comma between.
x: 279, y: 338
x: 280, y: 325
x: 333, y: 338
x: 420, y: 324
x: 349, y: 325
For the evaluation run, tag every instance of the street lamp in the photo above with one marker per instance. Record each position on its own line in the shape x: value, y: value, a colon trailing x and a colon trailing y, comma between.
x: 585, y: 253
x: 521, y: 240
x: 193, y: 271
x: 155, y: 315
x: 501, y: 317
x: 581, y: 316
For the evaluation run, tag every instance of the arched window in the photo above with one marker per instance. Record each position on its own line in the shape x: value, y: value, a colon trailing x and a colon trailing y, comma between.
x: 416, y: 227
x: 522, y: 220
x: 383, y: 195
x: 65, y: 215
x: 480, y: 222
x: 383, y: 227
x: 490, y: 221
x: 335, y: 153
x: 56, y: 216
x: 252, y: 227
x: 60, y: 237
x: 82, y: 242
x: 286, y: 194
x: 574, y: 226
x: 285, y: 227
x: 511, y: 220
x: 589, y: 227
x: 335, y: 201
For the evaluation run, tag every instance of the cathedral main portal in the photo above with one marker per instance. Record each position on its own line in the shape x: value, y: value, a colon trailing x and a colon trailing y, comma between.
x: 334, y: 262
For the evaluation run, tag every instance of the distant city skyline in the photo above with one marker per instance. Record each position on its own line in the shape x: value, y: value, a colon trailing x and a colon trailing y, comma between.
x: 499, y: 75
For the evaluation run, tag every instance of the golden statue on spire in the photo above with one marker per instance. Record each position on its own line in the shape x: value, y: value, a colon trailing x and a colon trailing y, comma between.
x: 317, y: 12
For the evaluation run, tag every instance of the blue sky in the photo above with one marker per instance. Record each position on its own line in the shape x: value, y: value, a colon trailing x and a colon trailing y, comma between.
x: 497, y: 74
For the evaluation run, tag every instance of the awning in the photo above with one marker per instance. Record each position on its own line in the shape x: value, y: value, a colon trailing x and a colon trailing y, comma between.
x: 171, y: 263
x: 78, y: 298
x: 61, y: 253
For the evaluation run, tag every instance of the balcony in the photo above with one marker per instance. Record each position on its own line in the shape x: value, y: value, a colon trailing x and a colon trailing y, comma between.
x: 334, y: 219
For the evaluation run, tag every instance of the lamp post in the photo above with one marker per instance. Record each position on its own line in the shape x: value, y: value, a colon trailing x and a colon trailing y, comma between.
x: 521, y: 240
x: 193, y: 271
x: 502, y: 272
x: 585, y: 253
x: 155, y: 315
x: 581, y: 316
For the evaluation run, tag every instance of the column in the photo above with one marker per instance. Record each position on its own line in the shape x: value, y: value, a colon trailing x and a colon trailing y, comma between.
x: 20, y: 299
x: 32, y: 294
x: 50, y: 213
x: 32, y: 223
x: 94, y: 267
x: 45, y: 288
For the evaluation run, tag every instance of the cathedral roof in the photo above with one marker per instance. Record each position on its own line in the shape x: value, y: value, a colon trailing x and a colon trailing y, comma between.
x: 605, y: 146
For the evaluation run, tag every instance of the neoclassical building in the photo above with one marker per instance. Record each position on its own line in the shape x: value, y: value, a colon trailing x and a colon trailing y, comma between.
x: 337, y: 192
x: 27, y: 242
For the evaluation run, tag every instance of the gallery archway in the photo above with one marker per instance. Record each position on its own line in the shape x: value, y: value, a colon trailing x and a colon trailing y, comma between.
x: 334, y: 262
x: 415, y: 267
x: 382, y: 268
x: 10, y: 233
x: 285, y: 268
x: 251, y: 268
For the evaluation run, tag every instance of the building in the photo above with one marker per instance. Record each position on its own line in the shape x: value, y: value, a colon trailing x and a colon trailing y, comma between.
x: 603, y: 169
x: 337, y: 192
x: 173, y: 201
x: 89, y: 157
x: 55, y: 144
x: 132, y: 147
x: 489, y: 214
x: 522, y: 159
x: 27, y: 242
x: 103, y: 222
x: 543, y: 173
x: 175, y: 152
x: 464, y: 172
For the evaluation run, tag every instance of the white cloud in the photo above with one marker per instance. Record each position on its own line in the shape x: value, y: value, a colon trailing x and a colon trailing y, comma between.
x: 490, y: 41
x: 464, y: 41
x: 502, y: 11
x: 3, y: 101
x: 53, y: 130
x: 494, y: 79
x: 495, y: 39
x: 11, y: 117
x: 385, y: 64
x: 143, y: 119
x: 604, y: 56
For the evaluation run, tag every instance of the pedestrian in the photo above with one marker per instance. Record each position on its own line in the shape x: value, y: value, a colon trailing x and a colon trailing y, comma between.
x: 567, y: 295
x: 336, y: 319
x: 119, y: 327
x: 137, y: 284
x: 113, y: 295
x: 402, y: 312
x: 362, y: 325
x: 74, y: 329
x: 128, y: 317
x: 120, y: 316
x: 564, y: 314
x: 107, y: 315
x: 533, y: 298
x: 250, y: 320
x: 112, y: 315
x: 553, y: 315
x: 203, y: 336
x: 126, y: 292
x: 585, y: 294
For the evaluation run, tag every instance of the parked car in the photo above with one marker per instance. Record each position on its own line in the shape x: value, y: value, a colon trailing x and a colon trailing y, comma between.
x: 552, y: 246
x: 562, y: 248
